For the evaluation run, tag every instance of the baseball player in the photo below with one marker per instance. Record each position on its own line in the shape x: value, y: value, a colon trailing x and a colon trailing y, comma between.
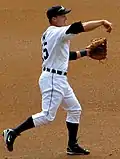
x: 53, y: 81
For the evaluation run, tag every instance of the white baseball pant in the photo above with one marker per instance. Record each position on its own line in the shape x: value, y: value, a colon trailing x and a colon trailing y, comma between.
x: 55, y: 90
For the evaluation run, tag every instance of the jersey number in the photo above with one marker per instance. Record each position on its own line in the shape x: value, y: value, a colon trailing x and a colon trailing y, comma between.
x: 45, y: 52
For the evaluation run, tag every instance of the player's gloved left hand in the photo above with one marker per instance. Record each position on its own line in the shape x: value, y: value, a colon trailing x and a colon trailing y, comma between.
x: 98, y: 49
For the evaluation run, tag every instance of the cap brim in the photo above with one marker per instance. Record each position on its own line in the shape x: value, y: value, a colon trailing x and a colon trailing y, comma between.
x: 67, y: 11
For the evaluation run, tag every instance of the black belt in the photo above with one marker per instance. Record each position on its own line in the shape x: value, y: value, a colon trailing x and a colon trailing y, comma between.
x: 54, y: 71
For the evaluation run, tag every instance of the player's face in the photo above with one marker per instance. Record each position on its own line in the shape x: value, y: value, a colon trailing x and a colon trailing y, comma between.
x: 60, y: 20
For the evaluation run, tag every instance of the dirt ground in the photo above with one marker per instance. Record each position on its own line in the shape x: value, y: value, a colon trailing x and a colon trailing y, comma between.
x: 96, y: 85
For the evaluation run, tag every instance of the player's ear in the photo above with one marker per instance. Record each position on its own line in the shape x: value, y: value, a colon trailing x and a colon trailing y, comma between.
x: 54, y: 18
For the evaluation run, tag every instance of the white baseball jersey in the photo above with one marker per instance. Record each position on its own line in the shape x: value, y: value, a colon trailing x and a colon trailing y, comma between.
x: 55, y: 48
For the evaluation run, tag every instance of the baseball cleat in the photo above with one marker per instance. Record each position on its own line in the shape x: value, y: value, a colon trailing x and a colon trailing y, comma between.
x: 77, y: 150
x: 9, y: 138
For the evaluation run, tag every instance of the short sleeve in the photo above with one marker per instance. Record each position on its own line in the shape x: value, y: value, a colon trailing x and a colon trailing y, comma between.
x: 60, y: 33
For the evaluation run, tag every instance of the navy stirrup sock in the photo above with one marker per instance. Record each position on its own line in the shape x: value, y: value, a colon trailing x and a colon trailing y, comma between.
x: 72, y: 132
x: 28, y: 124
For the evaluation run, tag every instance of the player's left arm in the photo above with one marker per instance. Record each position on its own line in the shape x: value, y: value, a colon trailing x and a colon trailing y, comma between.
x: 74, y: 55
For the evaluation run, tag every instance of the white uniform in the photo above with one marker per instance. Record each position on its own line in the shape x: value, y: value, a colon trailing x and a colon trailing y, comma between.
x: 55, y: 88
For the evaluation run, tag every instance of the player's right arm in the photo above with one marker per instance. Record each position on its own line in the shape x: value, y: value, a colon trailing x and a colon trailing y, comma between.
x: 79, y: 27
x: 67, y: 32
x: 91, y: 25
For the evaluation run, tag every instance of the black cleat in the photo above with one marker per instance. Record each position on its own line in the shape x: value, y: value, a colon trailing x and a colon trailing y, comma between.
x: 9, y: 138
x: 77, y: 150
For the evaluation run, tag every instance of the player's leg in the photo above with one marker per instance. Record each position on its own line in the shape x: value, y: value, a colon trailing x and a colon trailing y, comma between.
x: 50, y: 103
x: 73, y: 108
x: 51, y: 100
x: 11, y: 134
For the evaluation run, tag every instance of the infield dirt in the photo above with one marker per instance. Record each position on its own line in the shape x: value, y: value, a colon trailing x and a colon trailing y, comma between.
x: 96, y: 85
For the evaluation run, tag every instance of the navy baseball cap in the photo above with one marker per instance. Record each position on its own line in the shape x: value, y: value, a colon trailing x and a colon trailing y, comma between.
x: 57, y: 10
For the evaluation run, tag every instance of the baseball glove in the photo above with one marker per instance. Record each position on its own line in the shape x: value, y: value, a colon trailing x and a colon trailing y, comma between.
x: 98, y: 49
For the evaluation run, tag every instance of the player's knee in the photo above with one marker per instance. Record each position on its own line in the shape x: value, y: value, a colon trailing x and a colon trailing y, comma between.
x: 74, y: 113
x: 73, y: 116
x: 49, y: 118
x: 42, y: 118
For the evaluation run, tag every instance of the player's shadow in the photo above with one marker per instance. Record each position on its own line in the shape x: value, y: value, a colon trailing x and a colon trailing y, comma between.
x: 64, y: 156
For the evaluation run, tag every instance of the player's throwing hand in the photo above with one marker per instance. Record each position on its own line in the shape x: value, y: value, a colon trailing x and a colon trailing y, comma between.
x: 107, y: 25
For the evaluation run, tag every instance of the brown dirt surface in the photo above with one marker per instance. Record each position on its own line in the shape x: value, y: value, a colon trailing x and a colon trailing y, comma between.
x: 96, y: 85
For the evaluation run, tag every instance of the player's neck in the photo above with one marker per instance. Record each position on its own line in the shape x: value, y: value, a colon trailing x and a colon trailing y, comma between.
x: 56, y: 24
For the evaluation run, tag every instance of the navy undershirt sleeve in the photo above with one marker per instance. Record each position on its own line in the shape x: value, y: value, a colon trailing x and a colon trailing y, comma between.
x: 75, y: 28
